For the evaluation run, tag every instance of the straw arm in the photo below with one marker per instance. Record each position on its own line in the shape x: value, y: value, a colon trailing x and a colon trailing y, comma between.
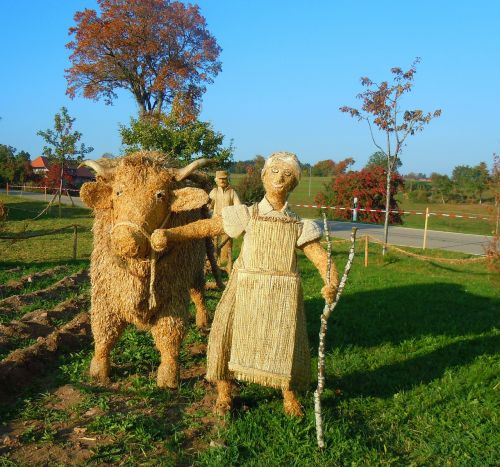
x: 347, y: 270
x: 195, y: 230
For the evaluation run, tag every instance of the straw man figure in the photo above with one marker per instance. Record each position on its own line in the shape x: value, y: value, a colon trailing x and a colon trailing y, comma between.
x: 259, y: 329
x: 220, y: 197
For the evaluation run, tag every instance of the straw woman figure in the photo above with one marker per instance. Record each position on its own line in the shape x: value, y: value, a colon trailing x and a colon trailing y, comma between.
x: 259, y: 329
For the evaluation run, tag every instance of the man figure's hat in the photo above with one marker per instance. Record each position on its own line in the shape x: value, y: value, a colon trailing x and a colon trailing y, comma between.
x: 221, y: 174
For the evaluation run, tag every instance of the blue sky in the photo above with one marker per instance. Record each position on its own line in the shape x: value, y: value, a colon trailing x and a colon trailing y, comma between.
x: 287, y: 68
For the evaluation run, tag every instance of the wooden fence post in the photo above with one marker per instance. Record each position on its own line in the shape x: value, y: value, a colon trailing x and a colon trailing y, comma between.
x: 75, y: 240
x: 7, y: 187
x: 45, y: 193
x: 366, y: 251
x: 425, y: 227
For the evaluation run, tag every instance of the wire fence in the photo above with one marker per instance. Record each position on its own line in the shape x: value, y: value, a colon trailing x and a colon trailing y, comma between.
x: 14, y: 237
x: 45, y: 189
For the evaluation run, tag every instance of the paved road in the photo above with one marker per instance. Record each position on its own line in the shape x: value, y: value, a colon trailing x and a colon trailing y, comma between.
x: 41, y: 197
x: 402, y: 236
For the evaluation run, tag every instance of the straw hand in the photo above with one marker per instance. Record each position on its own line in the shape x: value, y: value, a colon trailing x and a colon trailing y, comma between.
x: 159, y: 240
x: 328, y: 292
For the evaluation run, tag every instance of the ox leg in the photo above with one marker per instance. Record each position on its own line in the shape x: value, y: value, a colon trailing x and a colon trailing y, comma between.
x: 106, y: 329
x: 197, y: 293
x: 168, y: 333
x: 224, y: 401
x: 291, y: 404
x: 198, y: 298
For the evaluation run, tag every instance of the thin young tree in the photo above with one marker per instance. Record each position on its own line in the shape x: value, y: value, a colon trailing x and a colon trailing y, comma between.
x: 62, y: 146
x: 381, y: 109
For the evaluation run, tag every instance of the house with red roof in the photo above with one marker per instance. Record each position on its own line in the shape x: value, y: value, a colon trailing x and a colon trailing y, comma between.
x: 77, y: 175
x: 40, y: 165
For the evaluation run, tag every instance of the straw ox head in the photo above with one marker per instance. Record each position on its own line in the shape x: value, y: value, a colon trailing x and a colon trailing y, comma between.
x: 142, y: 192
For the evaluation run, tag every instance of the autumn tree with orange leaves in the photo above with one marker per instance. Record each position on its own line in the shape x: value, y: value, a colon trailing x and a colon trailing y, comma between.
x: 160, y: 51
x: 381, y: 109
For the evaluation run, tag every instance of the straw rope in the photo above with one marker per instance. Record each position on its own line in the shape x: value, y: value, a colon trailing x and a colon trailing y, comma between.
x: 430, y: 258
x: 416, y: 255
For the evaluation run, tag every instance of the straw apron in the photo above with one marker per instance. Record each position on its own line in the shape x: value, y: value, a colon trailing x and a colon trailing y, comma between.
x: 259, y: 331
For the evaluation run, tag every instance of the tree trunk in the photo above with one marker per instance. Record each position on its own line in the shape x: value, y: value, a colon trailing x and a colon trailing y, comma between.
x: 387, y: 203
x: 61, y: 187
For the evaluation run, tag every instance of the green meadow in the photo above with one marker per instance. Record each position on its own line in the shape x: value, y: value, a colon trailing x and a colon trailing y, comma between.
x: 412, y: 375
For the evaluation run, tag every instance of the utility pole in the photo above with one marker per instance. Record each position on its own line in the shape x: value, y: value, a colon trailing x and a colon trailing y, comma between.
x: 310, y: 169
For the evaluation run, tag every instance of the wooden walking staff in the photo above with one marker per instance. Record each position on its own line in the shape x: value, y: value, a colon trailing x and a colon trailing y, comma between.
x: 327, y: 311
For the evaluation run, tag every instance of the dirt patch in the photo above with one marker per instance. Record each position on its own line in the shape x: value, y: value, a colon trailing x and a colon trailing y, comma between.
x: 13, y: 270
x: 15, y: 285
x: 58, y: 290
x: 40, y: 323
x: 75, y: 441
x: 66, y: 397
x: 23, y: 365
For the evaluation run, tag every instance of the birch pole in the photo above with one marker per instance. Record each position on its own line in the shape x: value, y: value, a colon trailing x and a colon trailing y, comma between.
x: 327, y: 311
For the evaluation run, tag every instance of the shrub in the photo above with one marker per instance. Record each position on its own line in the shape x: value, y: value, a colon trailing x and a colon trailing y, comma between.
x: 368, y: 185
x: 250, y: 189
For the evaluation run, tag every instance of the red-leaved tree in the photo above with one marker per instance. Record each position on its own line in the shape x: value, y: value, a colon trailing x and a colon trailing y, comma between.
x: 369, y: 186
x: 52, y: 178
x: 381, y: 109
x: 160, y: 51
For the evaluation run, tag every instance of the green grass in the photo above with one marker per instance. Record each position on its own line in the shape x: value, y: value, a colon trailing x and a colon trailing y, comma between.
x: 447, y: 224
x: 54, y: 248
x: 412, y: 375
x: 412, y: 379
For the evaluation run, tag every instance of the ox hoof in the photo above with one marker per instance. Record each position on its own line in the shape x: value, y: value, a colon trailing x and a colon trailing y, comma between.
x: 99, y: 370
x: 291, y: 405
x: 168, y: 377
x: 223, y: 406
x: 202, y: 325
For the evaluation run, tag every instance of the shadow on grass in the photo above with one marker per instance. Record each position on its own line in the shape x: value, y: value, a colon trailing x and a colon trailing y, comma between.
x: 394, y: 315
x: 387, y: 380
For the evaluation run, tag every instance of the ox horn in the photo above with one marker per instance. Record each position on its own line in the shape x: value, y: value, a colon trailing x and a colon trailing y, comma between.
x: 181, y: 174
x: 104, y: 170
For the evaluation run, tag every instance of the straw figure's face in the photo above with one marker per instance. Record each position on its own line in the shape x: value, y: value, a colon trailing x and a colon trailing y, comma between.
x: 222, y: 182
x: 279, y: 178
x: 142, y: 193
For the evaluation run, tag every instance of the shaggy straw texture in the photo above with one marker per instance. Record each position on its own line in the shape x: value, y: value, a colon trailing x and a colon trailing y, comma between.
x: 138, y: 195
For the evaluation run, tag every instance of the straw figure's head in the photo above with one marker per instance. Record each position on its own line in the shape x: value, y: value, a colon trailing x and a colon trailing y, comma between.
x: 281, y: 173
x: 142, y: 191
x: 221, y: 179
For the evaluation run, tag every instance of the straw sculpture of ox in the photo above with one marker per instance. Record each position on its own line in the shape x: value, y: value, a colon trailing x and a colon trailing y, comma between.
x: 131, y: 284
